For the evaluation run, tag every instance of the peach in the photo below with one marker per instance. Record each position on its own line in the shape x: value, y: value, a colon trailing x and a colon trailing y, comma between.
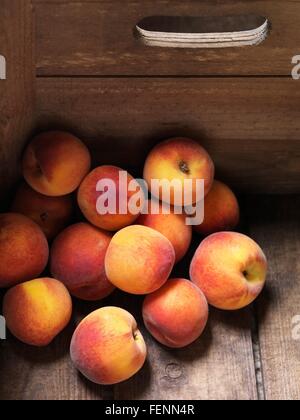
x: 172, y: 226
x: 55, y: 163
x: 89, y: 197
x: 52, y: 214
x: 139, y: 260
x: 221, y: 210
x: 37, y: 311
x: 179, y: 159
x: 230, y: 268
x: 177, y: 314
x: 107, y: 347
x: 77, y: 259
x: 24, y: 249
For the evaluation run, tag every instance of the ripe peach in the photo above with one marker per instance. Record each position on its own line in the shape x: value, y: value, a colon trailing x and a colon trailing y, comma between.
x: 77, y: 259
x: 55, y: 163
x: 89, y: 197
x: 172, y: 226
x: 176, y: 314
x: 139, y: 260
x: 37, y: 311
x: 221, y: 210
x: 179, y: 159
x: 107, y: 347
x: 230, y: 269
x: 52, y: 214
x: 24, y: 249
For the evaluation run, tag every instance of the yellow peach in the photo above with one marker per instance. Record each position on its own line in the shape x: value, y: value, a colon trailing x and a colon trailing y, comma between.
x: 37, y: 311
x: 139, y: 259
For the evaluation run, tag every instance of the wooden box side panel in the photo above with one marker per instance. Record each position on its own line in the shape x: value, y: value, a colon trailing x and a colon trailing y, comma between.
x: 17, y: 90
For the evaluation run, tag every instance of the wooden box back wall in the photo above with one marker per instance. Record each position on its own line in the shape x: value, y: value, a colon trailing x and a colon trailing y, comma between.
x: 76, y: 65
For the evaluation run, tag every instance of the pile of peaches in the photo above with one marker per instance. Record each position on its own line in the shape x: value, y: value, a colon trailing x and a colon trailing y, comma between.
x: 135, y: 253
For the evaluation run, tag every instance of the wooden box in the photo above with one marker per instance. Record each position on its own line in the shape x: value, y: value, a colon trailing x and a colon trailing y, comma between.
x: 76, y: 65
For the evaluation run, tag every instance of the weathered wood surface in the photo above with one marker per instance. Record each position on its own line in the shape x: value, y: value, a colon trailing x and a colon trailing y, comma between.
x: 218, y: 366
x: 275, y: 224
x: 251, y: 127
x: 91, y: 38
x: 17, y: 91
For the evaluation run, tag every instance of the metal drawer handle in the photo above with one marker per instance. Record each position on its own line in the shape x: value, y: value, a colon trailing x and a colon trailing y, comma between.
x: 203, y: 32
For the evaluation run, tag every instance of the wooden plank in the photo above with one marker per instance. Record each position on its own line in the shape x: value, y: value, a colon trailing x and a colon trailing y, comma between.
x: 251, y: 127
x: 96, y: 38
x: 218, y: 366
x: 16, y: 92
x: 274, y: 223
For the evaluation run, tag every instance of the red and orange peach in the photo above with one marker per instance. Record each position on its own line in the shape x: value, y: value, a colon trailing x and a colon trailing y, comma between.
x: 55, y: 163
x: 221, y: 210
x: 178, y: 160
x: 37, y: 311
x: 107, y: 347
x: 230, y: 268
x: 139, y: 259
x: 176, y: 314
x: 52, y: 214
x: 95, y: 203
x: 24, y: 249
x: 77, y: 259
x: 173, y: 226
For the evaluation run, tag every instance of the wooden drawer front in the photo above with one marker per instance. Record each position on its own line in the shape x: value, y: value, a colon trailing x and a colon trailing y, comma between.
x: 250, y: 126
x: 96, y: 38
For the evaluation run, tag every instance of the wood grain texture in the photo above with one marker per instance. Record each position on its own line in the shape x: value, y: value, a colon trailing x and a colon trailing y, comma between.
x: 274, y: 223
x: 91, y: 38
x: 17, y: 92
x: 209, y: 369
x: 218, y: 366
x: 251, y: 127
